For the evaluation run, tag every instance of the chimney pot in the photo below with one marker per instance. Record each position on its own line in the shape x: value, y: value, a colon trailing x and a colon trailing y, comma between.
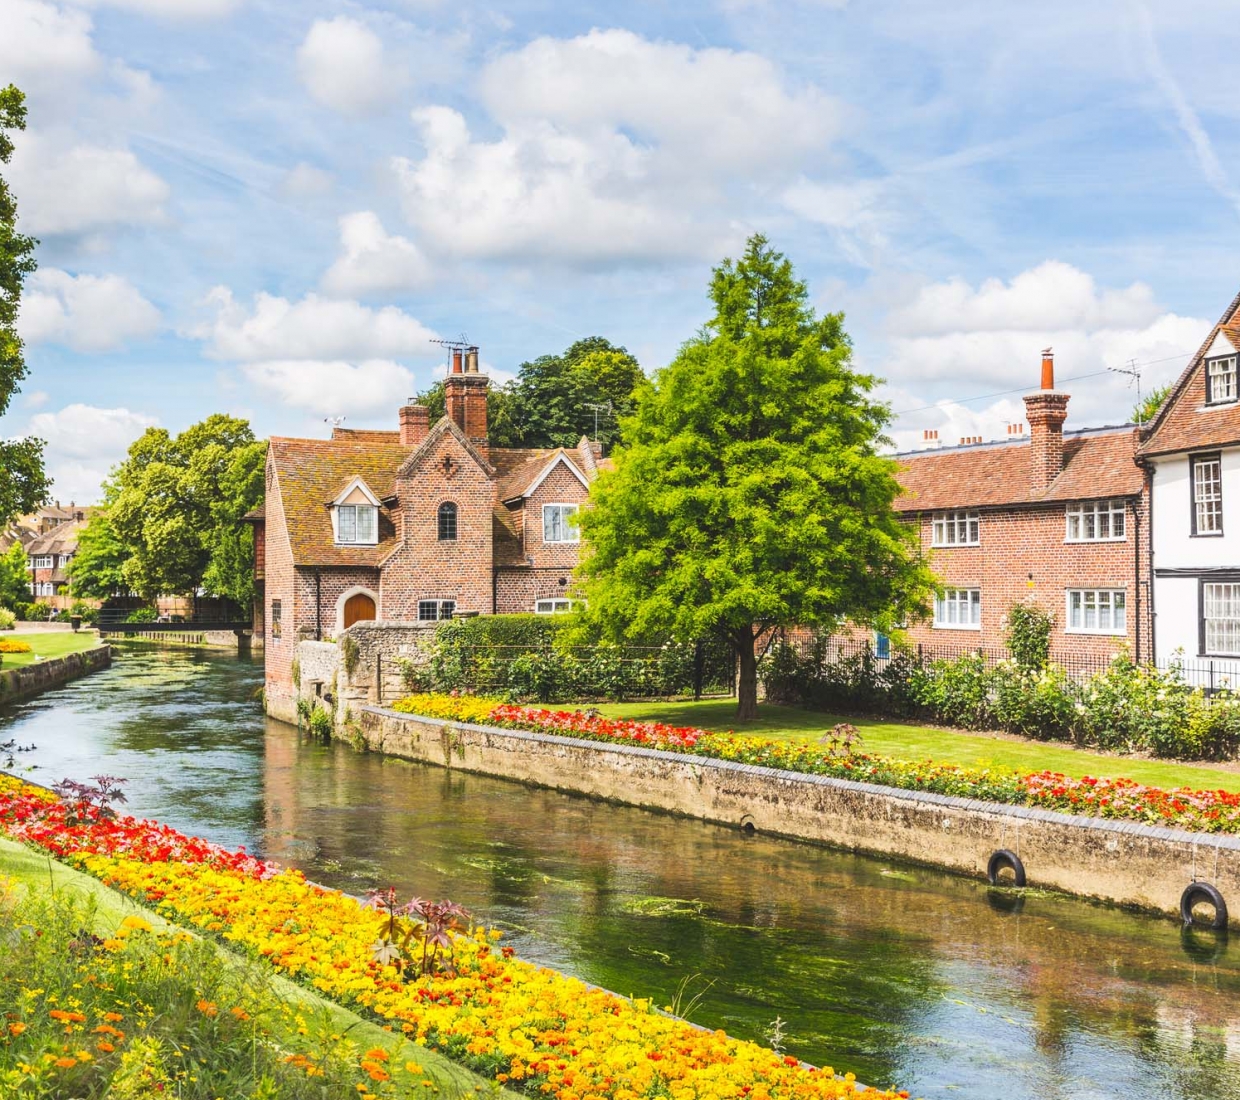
x: 456, y: 360
x: 471, y: 360
x: 1048, y: 369
x: 1045, y: 411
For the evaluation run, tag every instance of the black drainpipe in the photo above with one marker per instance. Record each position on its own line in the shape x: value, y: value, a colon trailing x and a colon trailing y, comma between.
x: 494, y: 589
x: 318, y: 604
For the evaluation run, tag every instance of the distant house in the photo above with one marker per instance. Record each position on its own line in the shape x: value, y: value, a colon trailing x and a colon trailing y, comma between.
x: 1192, y: 449
x: 49, y: 552
x: 417, y: 524
x: 1058, y: 517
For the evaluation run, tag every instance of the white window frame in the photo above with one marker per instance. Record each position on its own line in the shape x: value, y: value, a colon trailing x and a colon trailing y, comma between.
x: 1081, y: 517
x: 1206, y: 493
x: 1228, y: 628
x: 949, y: 527
x: 565, y: 510
x: 44, y: 561
x: 354, y: 513
x: 554, y: 606
x: 1221, y: 372
x: 444, y: 609
x: 1104, y: 604
x: 948, y: 608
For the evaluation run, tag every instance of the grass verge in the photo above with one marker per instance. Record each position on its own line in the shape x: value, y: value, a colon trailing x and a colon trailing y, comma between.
x: 213, y: 1023
x: 913, y: 742
x: 45, y: 645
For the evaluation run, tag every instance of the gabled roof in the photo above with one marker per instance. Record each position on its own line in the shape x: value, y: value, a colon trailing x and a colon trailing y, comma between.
x: 523, y: 480
x: 1185, y: 422
x: 62, y: 539
x: 356, y: 483
x: 1098, y: 463
x: 445, y: 426
x: 311, y: 473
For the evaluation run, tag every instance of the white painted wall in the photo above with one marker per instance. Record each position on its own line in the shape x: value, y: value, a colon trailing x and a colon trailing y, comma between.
x: 1176, y: 599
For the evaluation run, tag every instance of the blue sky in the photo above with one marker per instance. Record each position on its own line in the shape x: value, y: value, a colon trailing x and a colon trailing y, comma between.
x: 271, y: 208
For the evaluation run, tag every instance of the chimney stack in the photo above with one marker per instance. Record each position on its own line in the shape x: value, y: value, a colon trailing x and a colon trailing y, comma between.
x: 1046, y: 410
x: 465, y: 394
x: 930, y: 438
x: 415, y: 423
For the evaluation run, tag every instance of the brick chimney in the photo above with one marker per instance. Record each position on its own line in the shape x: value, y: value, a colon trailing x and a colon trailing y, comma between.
x: 1046, y: 410
x: 465, y: 394
x: 415, y: 423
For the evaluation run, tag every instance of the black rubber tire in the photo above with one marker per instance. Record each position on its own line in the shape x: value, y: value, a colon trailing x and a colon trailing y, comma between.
x: 1005, y: 857
x: 1203, y: 891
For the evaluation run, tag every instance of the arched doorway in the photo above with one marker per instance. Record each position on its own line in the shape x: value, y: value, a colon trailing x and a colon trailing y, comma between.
x: 358, y: 608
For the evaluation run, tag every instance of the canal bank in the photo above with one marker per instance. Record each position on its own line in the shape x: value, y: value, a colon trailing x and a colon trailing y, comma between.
x: 1122, y: 863
x: 901, y: 973
x: 19, y: 683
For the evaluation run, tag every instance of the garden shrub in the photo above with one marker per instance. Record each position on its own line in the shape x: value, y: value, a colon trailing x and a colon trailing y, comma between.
x: 142, y: 615
x: 7, y: 619
x: 1028, y: 635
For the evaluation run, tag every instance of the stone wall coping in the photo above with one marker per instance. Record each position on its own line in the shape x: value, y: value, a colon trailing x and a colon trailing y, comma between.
x: 974, y: 805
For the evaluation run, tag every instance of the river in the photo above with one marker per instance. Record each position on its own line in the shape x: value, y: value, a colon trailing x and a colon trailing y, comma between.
x: 901, y: 974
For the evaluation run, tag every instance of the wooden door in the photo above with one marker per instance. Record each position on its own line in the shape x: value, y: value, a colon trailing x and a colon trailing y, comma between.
x: 358, y: 608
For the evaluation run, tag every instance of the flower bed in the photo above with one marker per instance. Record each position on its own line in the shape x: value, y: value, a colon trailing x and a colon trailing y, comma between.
x: 1122, y: 799
x: 528, y: 1026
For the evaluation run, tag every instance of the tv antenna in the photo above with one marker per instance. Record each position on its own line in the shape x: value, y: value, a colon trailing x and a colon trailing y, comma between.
x: 603, y: 408
x: 461, y: 343
x: 1133, y: 370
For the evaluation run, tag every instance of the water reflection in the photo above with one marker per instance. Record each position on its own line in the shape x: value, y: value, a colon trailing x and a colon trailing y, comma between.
x: 901, y: 974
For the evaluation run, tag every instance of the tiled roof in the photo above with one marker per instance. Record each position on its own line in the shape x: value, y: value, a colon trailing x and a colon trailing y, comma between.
x: 311, y: 473
x: 516, y: 480
x: 365, y: 435
x: 1185, y: 422
x: 1097, y: 463
x: 62, y: 539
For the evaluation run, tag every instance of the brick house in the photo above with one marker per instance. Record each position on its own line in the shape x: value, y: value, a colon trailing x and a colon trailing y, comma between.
x: 1058, y: 517
x: 50, y: 551
x: 1192, y: 450
x: 412, y: 525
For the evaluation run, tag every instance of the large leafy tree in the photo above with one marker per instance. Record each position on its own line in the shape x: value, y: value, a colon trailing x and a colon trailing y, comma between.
x: 14, y: 580
x: 750, y: 492
x: 172, y: 516
x: 556, y: 399
x: 23, y: 483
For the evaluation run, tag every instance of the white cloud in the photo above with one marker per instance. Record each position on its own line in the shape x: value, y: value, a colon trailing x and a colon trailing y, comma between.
x: 82, y: 188
x: 860, y: 215
x: 371, y: 261
x: 88, y: 313
x: 334, y: 387
x: 612, y: 147
x: 84, y: 443
x: 305, y: 182
x: 954, y: 342
x: 169, y: 9
x: 43, y: 45
x: 313, y: 328
x: 343, y: 66
x: 37, y: 399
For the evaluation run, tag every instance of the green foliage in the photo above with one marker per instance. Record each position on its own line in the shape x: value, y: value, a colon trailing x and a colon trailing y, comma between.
x: 23, y: 483
x: 548, y: 404
x: 750, y: 492
x: 14, y: 580
x: 1028, y: 635
x: 7, y: 619
x: 349, y: 654
x: 172, y: 517
x: 1125, y: 707
x: 296, y: 673
x: 1147, y: 408
x: 320, y: 722
x: 142, y: 615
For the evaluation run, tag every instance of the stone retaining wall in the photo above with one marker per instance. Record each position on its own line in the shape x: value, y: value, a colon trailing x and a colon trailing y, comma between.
x: 17, y: 683
x: 1114, y: 861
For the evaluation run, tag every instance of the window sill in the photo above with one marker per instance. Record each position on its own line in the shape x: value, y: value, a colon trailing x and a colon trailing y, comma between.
x: 343, y: 544
x: 1205, y: 535
x: 561, y: 542
x: 1090, y: 542
x: 957, y: 626
x: 955, y: 545
x: 1081, y: 630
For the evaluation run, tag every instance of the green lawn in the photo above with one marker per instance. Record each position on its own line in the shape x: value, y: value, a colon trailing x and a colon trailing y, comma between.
x: 913, y: 742
x: 46, y: 645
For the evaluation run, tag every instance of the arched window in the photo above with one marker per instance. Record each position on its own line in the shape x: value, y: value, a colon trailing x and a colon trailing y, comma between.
x: 447, y: 521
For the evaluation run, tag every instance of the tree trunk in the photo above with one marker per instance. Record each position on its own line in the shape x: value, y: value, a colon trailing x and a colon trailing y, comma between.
x: 747, y: 679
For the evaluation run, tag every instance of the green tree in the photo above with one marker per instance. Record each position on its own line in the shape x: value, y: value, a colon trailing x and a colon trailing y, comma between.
x: 23, y: 483
x: 749, y: 493
x: 1147, y: 408
x: 174, y: 508
x: 553, y: 400
x: 97, y: 568
x: 14, y: 580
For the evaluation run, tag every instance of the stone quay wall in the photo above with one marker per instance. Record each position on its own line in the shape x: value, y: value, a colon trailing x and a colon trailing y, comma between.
x: 17, y: 683
x: 1124, y: 863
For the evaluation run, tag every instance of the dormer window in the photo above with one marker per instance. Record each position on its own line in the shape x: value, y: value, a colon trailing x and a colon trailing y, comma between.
x: 355, y: 516
x: 1221, y: 380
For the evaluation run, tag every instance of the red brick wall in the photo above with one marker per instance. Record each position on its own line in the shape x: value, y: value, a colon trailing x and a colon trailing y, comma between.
x: 1019, y: 542
x: 560, y: 487
x: 424, y: 568
x: 516, y: 589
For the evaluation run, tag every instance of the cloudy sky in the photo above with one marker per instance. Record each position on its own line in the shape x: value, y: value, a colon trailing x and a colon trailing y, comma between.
x: 270, y: 207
